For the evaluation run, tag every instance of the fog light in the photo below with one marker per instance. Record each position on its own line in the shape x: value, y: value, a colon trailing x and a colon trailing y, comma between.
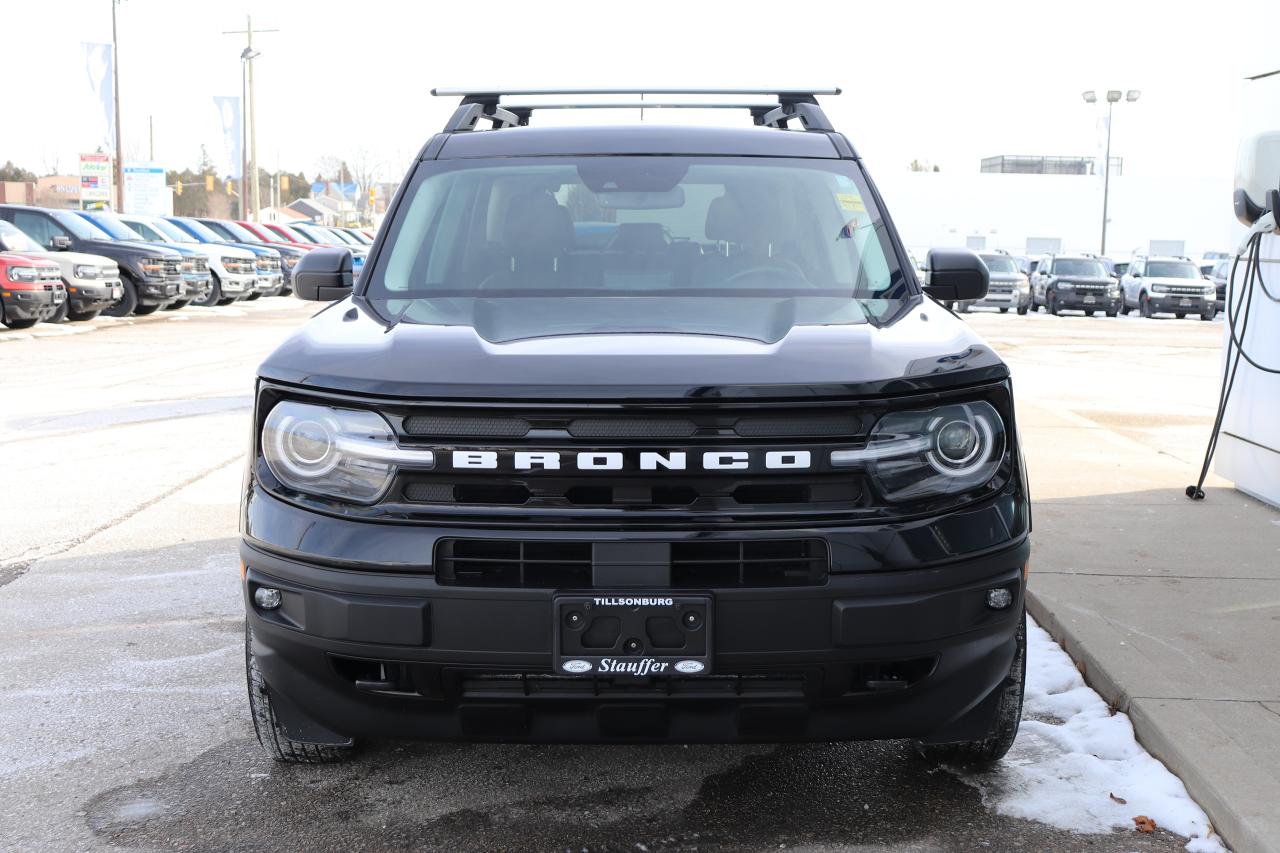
x: 997, y: 599
x: 269, y: 599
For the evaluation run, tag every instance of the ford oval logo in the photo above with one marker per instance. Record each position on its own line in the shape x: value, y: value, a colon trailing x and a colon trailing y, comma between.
x: 690, y: 666
x: 577, y: 666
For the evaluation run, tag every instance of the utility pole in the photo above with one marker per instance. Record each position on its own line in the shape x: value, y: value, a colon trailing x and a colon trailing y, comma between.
x: 1113, y: 96
x: 247, y: 56
x: 115, y: 73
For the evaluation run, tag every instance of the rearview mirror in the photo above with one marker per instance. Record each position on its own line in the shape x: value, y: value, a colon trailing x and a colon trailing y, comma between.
x: 59, y: 243
x: 323, y: 275
x: 955, y: 275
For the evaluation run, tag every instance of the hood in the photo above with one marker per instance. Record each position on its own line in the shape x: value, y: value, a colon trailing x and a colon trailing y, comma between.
x: 65, y: 259
x: 345, y: 348
x: 131, y: 247
x: 36, y: 259
x: 259, y: 251
x: 219, y: 250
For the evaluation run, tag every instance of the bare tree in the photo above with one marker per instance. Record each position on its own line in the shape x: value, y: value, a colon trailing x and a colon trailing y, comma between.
x: 365, y: 170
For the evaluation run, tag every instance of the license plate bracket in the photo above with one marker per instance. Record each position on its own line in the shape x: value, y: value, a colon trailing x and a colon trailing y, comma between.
x: 1184, y: 303
x: 632, y: 634
x: 1090, y: 300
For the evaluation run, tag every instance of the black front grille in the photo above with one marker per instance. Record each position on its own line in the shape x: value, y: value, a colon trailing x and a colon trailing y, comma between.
x: 465, y: 426
x: 697, y: 564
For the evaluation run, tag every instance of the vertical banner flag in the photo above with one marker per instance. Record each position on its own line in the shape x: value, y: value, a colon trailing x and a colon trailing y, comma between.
x: 98, y: 62
x: 229, y: 152
x: 1103, y: 165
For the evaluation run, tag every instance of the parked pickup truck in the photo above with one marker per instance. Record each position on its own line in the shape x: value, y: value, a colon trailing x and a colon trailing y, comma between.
x: 92, y: 281
x: 151, y: 274
x: 196, y: 281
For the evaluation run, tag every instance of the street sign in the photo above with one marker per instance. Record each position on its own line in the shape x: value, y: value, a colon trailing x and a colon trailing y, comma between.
x: 145, y: 191
x: 95, y: 178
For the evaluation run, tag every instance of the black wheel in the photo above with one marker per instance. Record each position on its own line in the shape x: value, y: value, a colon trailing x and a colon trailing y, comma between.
x: 226, y: 300
x: 1052, y: 305
x: 1004, y: 310
x: 214, y: 294
x: 127, y: 302
x: 1144, y: 307
x: 18, y: 324
x: 1209, y: 315
x: 1111, y: 312
x: 81, y: 316
x: 1180, y: 314
x: 252, y: 296
x: 1091, y: 313
x: 144, y: 310
x: 278, y: 745
x: 174, y: 306
x: 1004, y: 726
x: 1022, y: 310
x: 59, y: 315
x: 1124, y: 308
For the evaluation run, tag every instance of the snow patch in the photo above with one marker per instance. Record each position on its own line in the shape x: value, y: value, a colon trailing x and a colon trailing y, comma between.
x: 1075, y: 760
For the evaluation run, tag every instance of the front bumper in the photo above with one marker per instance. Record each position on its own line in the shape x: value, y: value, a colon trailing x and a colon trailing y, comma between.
x: 86, y: 295
x: 236, y: 284
x: 1169, y: 303
x: 1074, y: 300
x: 158, y: 291
x: 29, y: 304
x: 1012, y: 299
x: 906, y: 650
x: 196, y: 287
x: 268, y: 283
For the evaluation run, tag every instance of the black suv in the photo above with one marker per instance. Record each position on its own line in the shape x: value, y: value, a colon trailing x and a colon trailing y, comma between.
x: 636, y: 433
x: 151, y: 274
x: 1074, y: 282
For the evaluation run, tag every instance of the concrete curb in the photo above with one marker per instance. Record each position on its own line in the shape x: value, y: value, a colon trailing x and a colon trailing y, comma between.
x: 1192, y: 751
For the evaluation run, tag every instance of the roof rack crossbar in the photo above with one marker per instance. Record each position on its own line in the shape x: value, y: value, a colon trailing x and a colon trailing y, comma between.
x: 799, y: 105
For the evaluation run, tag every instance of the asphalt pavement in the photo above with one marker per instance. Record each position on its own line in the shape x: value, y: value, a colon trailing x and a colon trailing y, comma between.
x: 123, y: 721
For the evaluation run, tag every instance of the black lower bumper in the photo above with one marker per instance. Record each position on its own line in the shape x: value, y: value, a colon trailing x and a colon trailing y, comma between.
x: 889, y: 654
x: 83, y: 298
x: 159, y: 292
x: 22, y: 305
x: 1075, y: 301
x: 1181, y: 304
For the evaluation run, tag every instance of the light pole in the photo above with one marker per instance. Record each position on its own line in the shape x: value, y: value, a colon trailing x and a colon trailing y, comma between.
x: 1113, y: 95
x: 246, y: 104
x: 115, y: 82
x: 246, y: 121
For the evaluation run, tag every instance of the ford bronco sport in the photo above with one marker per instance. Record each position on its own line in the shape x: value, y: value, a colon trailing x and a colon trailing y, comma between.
x: 635, y: 433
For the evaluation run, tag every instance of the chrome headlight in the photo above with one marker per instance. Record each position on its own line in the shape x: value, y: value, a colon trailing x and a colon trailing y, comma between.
x: 85, y: 271
x: 1065, y: 285
x: 347, y: 454
x: 1160, y: 288
x: 943, y: 451
x: 23, y: 274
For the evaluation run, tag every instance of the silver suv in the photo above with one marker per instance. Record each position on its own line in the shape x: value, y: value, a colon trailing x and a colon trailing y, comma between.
x: 1156, y: 284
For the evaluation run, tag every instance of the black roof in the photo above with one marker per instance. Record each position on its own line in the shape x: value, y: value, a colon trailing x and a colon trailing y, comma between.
x: 638, y: 139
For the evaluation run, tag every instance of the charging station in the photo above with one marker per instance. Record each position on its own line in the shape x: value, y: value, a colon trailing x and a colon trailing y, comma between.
x: 1248, y: 440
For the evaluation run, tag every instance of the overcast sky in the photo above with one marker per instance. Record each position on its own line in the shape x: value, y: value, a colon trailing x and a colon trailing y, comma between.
x: 947, y: 83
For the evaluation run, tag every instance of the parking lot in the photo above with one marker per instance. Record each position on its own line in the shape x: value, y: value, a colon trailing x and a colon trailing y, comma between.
x: 123, y: 718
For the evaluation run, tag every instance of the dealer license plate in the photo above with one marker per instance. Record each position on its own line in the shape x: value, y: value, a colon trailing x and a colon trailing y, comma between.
x: 1089, y: 300
x: 632, y: 634
x: 1185, y: 303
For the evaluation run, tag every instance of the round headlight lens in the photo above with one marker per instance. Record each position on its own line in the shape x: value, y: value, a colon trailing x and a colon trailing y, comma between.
x: 86, y: 271
x: 321, y: 450
x: 925, y: 453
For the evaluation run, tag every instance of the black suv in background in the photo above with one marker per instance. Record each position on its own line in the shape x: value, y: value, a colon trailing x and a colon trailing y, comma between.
x: 151, y: 274
x: 635, y: 433
x: 1076, y: 283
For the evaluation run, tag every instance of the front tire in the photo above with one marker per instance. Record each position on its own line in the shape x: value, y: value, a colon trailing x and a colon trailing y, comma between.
x: 279, y: 746
x: 1180, y: 315
x: 18, y: 324
x: 1004, y: 310
x: 81, y: 316
x: 1004, y: 726
x: 1022, y: 310
x: 181, y: 303
x: 144, y: 310
x: 128, y: 301
x: 1209, y: 315
x: 1144, y: 307
x: 214, y: 294
x: 1051, y: 304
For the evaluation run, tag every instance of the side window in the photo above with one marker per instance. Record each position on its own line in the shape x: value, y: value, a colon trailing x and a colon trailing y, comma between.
x: 42, y: 229
x: 146, y: 231
x: 1136, y: 267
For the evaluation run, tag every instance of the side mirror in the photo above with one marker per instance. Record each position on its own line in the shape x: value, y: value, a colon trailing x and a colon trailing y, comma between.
x: 955, y: 275
x: 1136, y: 274
x: 323, y: 275
x: 60, y: 243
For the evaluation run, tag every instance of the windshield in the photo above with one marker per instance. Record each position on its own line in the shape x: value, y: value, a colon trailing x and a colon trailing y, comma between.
x: 14, y: 239
x: 169, y: 231
x: 238, y: 232
x: 1000, y: 263
x: 741, y: 247
x: 1083, y: 267
x: 202, y: 232
x: 79, y: 226
x: 115, y: 227
x: 340, y: 237
x: 311, y: 234
x: 1172, y: 269
x: 360, y: 238
x: 266, y: 235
